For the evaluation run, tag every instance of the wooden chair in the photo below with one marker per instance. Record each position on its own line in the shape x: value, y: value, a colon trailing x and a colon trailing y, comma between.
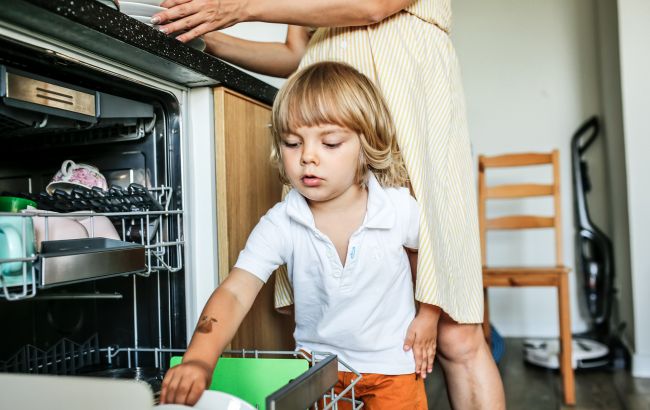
x: 557, y: 275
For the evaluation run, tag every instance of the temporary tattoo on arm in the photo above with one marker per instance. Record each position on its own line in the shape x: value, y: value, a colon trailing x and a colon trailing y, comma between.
x: 205, y: 324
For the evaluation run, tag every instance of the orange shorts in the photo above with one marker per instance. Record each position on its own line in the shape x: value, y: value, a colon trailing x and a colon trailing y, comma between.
x: 382, y: 392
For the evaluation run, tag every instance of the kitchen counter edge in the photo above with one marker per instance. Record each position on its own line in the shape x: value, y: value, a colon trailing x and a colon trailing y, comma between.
x: 95, y: 27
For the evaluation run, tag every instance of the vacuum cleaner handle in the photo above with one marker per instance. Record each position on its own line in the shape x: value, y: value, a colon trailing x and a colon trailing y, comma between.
x: 592, y: 125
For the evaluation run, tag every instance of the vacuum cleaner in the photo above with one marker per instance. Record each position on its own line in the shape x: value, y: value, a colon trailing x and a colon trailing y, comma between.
x: 600, y: 346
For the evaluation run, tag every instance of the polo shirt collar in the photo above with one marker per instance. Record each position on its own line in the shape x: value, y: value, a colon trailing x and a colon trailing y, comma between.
x: 380, y: 212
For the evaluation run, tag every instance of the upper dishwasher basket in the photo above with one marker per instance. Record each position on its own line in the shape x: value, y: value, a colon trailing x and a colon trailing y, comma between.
x: 150, y: 241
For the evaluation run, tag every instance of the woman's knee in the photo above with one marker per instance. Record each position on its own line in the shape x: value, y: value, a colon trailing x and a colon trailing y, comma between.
x: 459, y: 342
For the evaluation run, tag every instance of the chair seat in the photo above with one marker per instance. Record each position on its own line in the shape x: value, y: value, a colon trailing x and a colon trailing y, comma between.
x: 523, y: 275
x: 506, y: 270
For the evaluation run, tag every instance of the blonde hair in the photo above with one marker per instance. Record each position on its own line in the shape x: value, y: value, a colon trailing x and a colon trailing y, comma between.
x: 336, y: 93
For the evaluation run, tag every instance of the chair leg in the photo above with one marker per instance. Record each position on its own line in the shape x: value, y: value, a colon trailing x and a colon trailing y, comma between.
x: 486, y: 316
x: 566, y: 368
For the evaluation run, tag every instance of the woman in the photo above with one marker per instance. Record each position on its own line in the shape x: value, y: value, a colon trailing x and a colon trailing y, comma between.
x: 404, y: 46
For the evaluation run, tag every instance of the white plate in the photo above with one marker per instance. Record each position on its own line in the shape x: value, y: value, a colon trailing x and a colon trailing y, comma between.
x: 216, y: 400
x: 197, y: 43
x: 136, y: 9
x: 211, y: 400
x: 149, y: 2
x: 108, y: 3
x: 142, y: 19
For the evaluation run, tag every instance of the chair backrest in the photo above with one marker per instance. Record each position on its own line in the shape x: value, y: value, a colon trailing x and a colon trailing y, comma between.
x: 523, y: 190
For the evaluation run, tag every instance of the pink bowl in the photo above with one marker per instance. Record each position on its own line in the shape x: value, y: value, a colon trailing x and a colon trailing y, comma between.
x: 72, y: 174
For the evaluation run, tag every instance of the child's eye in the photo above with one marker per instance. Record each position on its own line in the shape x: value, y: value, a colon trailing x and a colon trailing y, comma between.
x: 290, y: 144
x: 336, y: 145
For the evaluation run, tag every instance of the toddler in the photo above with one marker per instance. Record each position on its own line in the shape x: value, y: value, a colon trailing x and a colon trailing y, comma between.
x: 342, y: 231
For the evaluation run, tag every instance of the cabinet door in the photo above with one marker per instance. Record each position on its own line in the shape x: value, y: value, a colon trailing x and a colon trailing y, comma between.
x: 247, y: 187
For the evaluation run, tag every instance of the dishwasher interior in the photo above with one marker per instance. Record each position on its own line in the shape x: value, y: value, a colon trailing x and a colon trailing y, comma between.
x: 89, y: 305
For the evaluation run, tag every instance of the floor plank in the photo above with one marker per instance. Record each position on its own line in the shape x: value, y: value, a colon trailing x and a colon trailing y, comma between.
x: 533, y: 388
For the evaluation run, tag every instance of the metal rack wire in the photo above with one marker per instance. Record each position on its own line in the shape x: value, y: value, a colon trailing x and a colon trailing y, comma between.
x: 158, y: 231
x: 67, y: 357
x: 329, y: 398
x: 64, y: 357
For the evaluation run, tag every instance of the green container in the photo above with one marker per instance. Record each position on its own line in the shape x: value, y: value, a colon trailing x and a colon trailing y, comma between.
x: 13, y: 204
x: 253, y: 379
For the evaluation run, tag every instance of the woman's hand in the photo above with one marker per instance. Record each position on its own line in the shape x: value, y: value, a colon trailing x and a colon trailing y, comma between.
x: 421, y: 337
x: 185, y: 383
x: 198, y: 17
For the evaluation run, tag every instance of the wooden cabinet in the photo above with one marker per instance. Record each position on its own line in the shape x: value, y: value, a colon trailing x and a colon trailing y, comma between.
x: 247, y: 187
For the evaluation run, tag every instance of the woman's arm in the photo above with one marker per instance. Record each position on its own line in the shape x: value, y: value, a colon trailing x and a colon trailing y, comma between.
x: 203, y: 16
x: 220, y: 319
x: 275, y: 59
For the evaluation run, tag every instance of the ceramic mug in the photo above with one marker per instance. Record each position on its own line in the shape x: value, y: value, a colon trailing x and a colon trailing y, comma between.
x: 58, y: 228
x: 72, y: 174
x: 16, y: 241
x: 98, y: 226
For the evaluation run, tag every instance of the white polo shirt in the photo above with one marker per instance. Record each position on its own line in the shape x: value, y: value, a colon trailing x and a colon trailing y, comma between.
x: 360, y: 311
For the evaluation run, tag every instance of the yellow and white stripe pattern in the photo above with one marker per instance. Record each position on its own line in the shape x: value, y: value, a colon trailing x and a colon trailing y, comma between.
x: 411, y: 58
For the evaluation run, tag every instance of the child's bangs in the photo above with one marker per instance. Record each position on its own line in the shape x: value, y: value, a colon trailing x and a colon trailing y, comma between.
x: 308, y: 105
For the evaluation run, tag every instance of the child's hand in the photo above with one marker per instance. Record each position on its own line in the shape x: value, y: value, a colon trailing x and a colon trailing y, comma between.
x: 421, y: 337
x: 185, y: 383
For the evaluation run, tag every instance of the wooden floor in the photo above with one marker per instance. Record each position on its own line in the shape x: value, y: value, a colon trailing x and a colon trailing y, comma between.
x: 533, y: 388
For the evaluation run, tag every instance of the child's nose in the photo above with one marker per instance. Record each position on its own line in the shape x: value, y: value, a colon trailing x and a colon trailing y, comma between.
x: 309, y: 156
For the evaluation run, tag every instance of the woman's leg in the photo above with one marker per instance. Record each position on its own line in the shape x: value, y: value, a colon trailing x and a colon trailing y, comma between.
x: 473, y: 380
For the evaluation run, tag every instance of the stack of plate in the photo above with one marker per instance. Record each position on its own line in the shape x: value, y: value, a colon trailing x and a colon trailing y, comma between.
x: 142, y: 10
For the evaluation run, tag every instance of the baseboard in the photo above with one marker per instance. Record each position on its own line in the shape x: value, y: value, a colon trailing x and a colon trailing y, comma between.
x: 641, y: 365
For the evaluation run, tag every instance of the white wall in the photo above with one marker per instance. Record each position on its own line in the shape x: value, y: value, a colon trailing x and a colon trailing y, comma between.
x: 530, y: 70
x: 612, y: 122
x: 634, y: 33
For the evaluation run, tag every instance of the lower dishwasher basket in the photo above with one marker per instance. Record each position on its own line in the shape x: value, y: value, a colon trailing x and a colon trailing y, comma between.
x: 268, y: 381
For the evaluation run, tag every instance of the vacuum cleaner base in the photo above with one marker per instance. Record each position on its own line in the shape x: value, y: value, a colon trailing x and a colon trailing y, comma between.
x: 587, y: 353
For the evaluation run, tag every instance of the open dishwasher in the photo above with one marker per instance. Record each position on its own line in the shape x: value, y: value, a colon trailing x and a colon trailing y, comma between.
x: 114, y: 306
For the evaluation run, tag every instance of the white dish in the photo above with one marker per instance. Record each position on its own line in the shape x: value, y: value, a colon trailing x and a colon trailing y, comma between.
x: 142, y: 19
x: 149, y: 2
x: 211, y: 400
x: 217, y: 400
x: 109, y: 3
x: 137, y: 9
x: 197, y: 43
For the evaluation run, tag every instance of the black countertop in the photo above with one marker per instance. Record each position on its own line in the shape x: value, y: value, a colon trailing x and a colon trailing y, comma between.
x: 92, y: 26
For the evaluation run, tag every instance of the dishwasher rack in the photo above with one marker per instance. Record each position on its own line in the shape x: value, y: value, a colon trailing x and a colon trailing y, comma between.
x: 69, y: 358
x: 314, y: 389
x: 157, y: 234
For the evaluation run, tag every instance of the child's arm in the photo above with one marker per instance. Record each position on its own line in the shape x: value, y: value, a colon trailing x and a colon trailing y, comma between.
x: 423, y: 330
x: 220, y: 319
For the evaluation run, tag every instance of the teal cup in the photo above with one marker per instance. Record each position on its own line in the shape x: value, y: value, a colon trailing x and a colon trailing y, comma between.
x: 16, y: 241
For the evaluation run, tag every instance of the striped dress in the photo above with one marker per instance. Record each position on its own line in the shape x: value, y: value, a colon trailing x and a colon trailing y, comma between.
x: 411, y: 58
